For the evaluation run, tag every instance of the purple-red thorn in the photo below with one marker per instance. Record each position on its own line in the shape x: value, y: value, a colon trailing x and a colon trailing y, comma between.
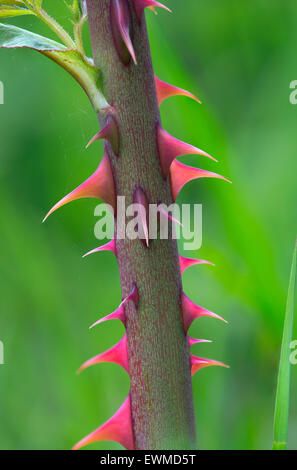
x: 118, y: 429
x: 110, y: 133
x: 117, y: 355
x: 100, y: 185
x: 192, y: 341
x: 134, y: 296
x: 181, y: 174
x: 153, y: 9
x: 198, y: 363
x: 110, y: 246
x: 170, y: 148
x: 121, y: 28
x: 140, y: 198
x: 163, y: 213
x: 164, y: 91
x: 191, y: 311
x: 119, y: 313
x: 140, y: 5
x: 185, y: 263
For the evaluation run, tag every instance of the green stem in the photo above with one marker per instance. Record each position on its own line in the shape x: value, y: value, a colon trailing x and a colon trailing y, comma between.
x: 77, y: 31
x: 159, y: 361
x: 54, y: 26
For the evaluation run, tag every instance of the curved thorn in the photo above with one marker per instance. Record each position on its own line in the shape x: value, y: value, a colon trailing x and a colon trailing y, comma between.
x: 100, y: 185
x: 193, y: 341
x: 140, y: 5
x: 167, y: 216
x: 164, y: 91
x: 110, y: 132
x: 139, y: 197
x: 118, y: 429
x: 128, y: 42
x: 110, y: 246
x: 134, y: 296
x: 170, y: 148
x: 198, y: 363
x: 185, y: 263
x: 116, y: 354
x: 120, y: 16
x: 119, y: 313
x: 153, y: 9
x: 191, y: 311
x: 181, y: 174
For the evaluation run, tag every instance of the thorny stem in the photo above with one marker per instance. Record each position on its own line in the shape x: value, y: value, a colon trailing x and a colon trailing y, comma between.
x: 159, y: 361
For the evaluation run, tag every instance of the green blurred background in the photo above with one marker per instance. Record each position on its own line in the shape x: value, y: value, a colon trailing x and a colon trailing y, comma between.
x: 239, y: 58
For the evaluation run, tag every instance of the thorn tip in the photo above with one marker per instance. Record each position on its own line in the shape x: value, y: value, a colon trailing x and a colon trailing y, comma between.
x: 164, y: 91
x: 170, y: 148
x: 118, y: 429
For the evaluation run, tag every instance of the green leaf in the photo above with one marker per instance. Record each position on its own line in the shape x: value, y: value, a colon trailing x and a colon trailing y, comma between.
x: 14, y: 37
x: 80, y: 67
x: 12, y: 2
x: 281, y: 414
x: 76, y: 9
x: 10, y: 11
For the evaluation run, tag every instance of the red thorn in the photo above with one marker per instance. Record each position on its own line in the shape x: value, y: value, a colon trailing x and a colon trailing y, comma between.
x: 170, y: 148
x: 164, y: 91
x: 118, y: 429
x: 167, y: 216
x: 117, y: 355
x: 181, y: 174
x: 110, y: 246
x: 110, y: 132
x: 139, y: 197
x: 193, y: 341
x: 153, y: 9
x: 191, y: 311
x: 119, y: 313
x: 198, y: 363
x: 100, y: 185
x: 140, y: 5
x: 121, y: 25
x: 134, y: 296
x: 185, y: 263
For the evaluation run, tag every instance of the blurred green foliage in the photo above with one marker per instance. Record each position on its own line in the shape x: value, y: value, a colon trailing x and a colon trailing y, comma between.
x: 239, y: 58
